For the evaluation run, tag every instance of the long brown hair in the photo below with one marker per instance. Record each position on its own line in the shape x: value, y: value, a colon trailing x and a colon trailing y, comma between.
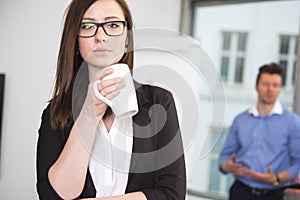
x: 70, y: 60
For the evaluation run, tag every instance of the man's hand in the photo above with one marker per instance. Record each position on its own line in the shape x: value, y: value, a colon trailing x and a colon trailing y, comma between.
x: 294, y: 192
x: 268, y: 177
x: 236, y: 169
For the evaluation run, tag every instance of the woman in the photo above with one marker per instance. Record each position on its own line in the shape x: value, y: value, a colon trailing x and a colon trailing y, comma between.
x: 96, y: 35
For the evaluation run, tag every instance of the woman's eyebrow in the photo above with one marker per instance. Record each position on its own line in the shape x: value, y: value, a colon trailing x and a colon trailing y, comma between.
x: 88, y: 18
x: 111, y: 17
x: 105, y: 19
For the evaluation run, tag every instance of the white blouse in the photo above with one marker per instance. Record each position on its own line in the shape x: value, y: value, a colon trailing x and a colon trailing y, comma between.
x: 110, y: 158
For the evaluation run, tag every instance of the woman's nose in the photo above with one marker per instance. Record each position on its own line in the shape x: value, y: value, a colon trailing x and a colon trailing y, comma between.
x: 101, y: 35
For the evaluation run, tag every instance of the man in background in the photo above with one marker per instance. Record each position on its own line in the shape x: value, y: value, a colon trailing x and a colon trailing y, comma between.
x: 262, y: 149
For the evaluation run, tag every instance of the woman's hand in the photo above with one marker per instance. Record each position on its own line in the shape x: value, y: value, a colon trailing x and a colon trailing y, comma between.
x: 109, y: 88
x: 67, y: 175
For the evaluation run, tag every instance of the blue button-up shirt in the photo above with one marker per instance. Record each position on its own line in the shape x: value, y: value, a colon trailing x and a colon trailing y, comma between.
x: 262, y: 141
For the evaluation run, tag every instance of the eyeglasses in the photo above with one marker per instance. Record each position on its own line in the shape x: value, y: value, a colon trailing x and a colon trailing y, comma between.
x: 111, y: 28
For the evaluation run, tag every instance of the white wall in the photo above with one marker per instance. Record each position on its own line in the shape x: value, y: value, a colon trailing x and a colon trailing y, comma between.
x: 29, y: 38
x: 29, y: 44
x: 156, y: 13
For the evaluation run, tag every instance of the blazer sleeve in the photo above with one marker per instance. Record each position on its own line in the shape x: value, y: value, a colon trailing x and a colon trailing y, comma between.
x: 169, y: 181
x: 50, y: 144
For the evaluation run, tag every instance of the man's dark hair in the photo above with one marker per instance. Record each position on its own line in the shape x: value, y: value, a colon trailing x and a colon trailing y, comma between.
x: 272, y: 68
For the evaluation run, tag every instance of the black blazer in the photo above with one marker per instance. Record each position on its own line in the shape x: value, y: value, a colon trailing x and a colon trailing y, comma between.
x: 167, y: 181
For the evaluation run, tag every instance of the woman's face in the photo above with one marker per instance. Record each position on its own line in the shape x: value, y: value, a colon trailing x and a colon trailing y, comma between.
x: 102, y: 50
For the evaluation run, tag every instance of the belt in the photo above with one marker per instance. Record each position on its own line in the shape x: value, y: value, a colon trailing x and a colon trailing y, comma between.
x: 255, y: 191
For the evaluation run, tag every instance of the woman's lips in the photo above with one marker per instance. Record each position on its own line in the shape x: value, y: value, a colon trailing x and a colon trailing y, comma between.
x: 101, y: 50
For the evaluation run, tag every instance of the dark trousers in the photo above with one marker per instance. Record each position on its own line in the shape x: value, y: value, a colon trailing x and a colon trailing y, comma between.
x: 240, y: 191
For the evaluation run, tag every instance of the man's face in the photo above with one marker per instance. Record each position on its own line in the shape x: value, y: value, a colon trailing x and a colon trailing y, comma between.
x: 268, y: 88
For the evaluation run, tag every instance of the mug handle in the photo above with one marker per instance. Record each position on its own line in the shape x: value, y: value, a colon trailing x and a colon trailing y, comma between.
x: 99, y: 95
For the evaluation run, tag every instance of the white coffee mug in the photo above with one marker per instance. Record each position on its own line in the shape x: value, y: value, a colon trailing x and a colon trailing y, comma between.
x: 125, y: 103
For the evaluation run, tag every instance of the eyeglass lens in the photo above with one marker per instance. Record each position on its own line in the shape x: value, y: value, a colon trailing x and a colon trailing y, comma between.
x: 113, y: 28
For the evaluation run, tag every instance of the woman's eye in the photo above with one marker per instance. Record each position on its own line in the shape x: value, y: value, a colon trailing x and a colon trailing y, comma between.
x: 113, y: 25
x: 87, y: 26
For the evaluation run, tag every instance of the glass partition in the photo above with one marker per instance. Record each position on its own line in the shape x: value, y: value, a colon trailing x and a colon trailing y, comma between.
x: 239, y: 38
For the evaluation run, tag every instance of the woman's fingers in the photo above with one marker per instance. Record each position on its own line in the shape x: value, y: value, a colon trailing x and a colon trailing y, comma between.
x: 106, y: 72
x: 111, y: 82
x: 111, y: 87
x: 112, y: 94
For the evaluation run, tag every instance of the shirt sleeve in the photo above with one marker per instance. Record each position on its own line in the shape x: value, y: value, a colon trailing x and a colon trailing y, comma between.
x: 231, y: 145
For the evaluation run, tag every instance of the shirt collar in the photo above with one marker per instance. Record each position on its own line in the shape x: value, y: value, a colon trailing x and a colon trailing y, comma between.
x: 277, y: 109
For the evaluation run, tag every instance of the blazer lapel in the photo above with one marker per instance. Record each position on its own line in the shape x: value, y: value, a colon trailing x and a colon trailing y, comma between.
x: 140, y: 122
